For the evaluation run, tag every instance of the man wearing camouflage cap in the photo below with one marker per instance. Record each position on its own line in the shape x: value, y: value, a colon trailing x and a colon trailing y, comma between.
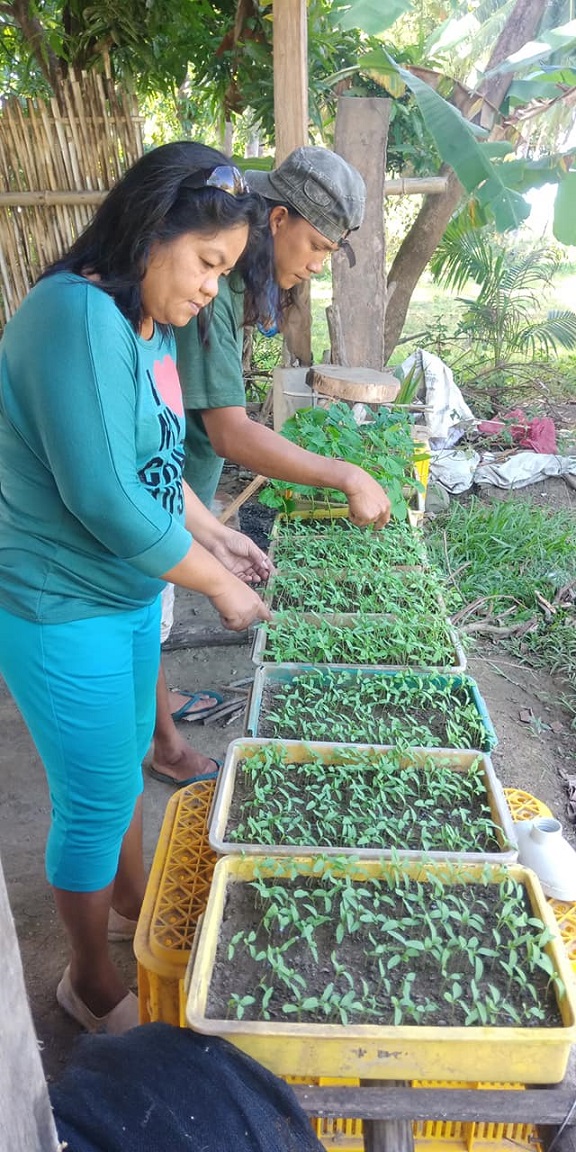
x: 315, y: 199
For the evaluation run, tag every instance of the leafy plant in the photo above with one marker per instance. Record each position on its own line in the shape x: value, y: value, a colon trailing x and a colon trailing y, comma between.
x: 383, y: 447
x: 447, y: 946
x: 341, y: 546
x: 499, y: 323
x: 374, y: 708
x: 361, y: 799
x: 366, y: 590
x: 407, y: 640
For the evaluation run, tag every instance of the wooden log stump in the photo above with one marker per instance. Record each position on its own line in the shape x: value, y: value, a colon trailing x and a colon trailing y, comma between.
x: 355, y: 385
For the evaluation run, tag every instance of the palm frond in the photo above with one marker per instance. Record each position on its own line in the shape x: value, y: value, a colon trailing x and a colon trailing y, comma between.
x: 558, y: 329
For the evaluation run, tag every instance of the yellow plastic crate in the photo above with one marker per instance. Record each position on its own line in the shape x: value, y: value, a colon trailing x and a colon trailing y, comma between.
x: 176, y: 895
x: 523, y: 806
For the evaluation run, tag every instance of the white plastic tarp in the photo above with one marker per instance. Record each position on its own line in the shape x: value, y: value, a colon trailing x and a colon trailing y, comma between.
x: 447, y: 414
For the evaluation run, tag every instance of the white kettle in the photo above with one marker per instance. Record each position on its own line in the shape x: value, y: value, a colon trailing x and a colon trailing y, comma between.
x: 542, y: 847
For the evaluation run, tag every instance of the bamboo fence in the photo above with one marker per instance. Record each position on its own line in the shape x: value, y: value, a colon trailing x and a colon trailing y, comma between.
x: 58, y: 158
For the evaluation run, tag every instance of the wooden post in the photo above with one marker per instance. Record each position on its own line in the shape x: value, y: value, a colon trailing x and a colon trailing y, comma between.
x: 290, y: 44
x: 387, y: 1135
x: 25, y: 1112
x: 357, y: 314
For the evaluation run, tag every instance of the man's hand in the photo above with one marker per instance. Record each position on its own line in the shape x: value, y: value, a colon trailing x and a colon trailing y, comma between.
x: 367, y: 501
x: 240, y: 555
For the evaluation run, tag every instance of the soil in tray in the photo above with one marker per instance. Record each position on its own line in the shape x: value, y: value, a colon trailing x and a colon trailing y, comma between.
x: 373, y: 801
x: 358, y: 953
x: 374, y: 709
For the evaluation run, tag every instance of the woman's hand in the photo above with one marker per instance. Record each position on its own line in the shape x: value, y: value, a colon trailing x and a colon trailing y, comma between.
x: 240, y: 555
x: 239, y: 606
x: 367, y: 501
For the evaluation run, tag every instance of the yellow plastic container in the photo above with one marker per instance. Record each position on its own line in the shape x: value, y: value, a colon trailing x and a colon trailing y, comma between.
x: 181, y: 861
x: 422, y: 447
x: 529, y: 1055
x: 176, y: 896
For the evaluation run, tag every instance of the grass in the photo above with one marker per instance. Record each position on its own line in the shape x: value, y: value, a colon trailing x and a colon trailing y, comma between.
x: 432, y: 319
x: 514, y: 565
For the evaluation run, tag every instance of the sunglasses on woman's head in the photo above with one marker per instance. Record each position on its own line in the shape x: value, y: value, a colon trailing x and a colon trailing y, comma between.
x: 223, y: 176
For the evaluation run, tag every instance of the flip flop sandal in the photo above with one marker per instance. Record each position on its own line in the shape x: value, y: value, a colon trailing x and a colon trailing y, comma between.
x: 189, y: 712
x: 164, y: 778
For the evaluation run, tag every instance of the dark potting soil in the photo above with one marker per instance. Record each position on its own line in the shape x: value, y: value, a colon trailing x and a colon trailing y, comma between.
x: 367, y: 824
x: 349, y: 967
x: 256, y: 521
x: 382, y: 724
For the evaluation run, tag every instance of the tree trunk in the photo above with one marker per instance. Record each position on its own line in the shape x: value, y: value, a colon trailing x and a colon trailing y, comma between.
x: 425, y: 234
x: 52, y: 68
x: 415, y: 251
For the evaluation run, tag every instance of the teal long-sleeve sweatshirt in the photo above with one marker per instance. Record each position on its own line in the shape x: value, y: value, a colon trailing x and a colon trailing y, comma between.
x: 91, y: 454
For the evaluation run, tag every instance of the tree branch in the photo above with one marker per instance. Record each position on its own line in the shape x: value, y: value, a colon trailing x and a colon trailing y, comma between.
x: 34, y: 34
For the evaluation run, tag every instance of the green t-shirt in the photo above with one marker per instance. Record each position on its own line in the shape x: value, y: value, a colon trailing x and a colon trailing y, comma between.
x: 211, y: 377
x: 91, y: 431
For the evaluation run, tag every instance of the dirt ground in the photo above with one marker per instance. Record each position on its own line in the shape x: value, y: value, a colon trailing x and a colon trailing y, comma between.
x: 530, y: 755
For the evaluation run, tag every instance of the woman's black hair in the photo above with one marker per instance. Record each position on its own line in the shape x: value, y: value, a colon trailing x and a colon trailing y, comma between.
x: 153, y: 204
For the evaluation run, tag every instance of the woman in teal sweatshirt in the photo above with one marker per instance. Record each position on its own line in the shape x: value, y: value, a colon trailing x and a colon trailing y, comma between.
x: 94, y: 517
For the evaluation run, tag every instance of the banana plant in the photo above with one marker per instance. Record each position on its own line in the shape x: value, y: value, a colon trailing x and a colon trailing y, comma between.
x: 493, y: 185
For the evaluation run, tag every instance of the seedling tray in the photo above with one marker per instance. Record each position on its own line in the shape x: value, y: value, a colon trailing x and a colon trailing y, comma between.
x: 497, y: 1054
x: 355, y: 591
x: 412, y: 537
x: 261, y: 654
x: 344, y: 754
x: 276, y: 675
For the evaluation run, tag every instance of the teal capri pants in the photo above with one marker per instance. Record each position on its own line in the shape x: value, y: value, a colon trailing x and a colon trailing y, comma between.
x: 87, y: 692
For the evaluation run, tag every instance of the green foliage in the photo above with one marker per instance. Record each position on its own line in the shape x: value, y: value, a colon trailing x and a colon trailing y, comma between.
x: 339, y: 545
x: 407, y: 640
x: 444, y: 947
x: 383, y: 447
x: 375, y: 708
x: 363, y: 591
x: 361, y: 799
x: 499, y: 322
x: 507, y: 555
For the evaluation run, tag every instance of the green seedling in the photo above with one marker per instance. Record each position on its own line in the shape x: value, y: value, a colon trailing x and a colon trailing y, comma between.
x: 377, y: 962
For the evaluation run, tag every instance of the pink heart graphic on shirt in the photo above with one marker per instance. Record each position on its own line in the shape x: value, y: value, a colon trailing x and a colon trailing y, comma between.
x: 168, y: 384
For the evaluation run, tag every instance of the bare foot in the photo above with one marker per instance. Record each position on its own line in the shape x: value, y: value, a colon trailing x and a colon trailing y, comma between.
x: 180, y: 760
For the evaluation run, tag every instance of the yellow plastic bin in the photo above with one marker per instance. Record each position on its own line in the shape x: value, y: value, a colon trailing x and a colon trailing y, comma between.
x: 523, y: 1053
x: 176, y: 896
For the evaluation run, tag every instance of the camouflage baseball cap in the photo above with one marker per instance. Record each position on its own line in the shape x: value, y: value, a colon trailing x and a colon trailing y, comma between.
x: 327, y: 191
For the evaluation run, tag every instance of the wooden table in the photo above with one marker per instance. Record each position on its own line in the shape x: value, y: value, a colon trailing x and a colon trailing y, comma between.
x: 388, y: 1108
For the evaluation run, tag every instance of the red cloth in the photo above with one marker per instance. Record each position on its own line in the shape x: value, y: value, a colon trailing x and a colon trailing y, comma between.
x: 538, y: 434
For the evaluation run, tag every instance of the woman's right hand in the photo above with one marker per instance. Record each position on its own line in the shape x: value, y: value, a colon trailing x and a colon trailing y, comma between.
x: 238, y: 605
